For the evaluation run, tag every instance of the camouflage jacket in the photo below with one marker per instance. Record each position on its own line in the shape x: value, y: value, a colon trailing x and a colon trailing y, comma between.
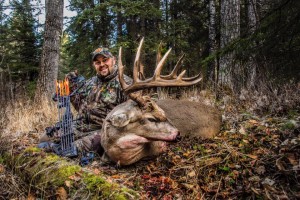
x: 96, y: 98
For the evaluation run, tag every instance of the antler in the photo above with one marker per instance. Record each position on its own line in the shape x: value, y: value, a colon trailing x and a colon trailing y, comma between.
x: 157, y: 80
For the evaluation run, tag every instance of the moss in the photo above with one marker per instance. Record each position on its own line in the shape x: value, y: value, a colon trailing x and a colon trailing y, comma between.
x: 289, y: 125
x: 105, y: 189
x: 93, y: 182
x: 51, y: 158
x: 32, y: 150
x: 48, y: 171
x: 61, y: 175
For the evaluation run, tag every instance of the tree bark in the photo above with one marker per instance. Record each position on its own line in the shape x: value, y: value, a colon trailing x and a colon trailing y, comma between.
x: 50, y: 52
x: 212, y: 73
x: 252, y: 18
x: 230, y: 30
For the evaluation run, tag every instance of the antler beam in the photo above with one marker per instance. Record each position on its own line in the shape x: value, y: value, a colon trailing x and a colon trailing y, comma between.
x: 157, y: 80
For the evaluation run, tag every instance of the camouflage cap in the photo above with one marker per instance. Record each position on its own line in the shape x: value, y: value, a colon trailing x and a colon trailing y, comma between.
x: 101, y: 51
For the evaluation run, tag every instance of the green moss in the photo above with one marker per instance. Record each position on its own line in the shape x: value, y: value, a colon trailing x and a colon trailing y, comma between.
x: 289, y: 125
x: 62, y: 174
x: 51, y: 158
x: 32, y: 150
x: 93, y: 182
x: 1, y: 160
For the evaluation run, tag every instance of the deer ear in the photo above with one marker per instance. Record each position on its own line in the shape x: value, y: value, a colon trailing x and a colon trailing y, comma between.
x: 119, y: 120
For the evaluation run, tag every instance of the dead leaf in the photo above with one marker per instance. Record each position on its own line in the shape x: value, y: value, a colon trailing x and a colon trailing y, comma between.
x: 242, y: 130
x: 292, y: 159
x: 96, y: 171
x: 192, y: 173
x: 254, y: 179
x: 75, y: 177
x: 268, y: 181
x: 212, y: 161
x: 261, y: 169
x: 188, y: 186
x: 186, y: 154
x: 61, y: 193
x: 279, y: 164
x: 116, y: 176
x: 68, y: 184
x: 2, y: 169
x: 252, y: 121
x: 31, y: 196
x: 252, y: 156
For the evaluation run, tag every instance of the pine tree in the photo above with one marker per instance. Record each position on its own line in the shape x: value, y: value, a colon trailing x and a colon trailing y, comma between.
x: 22, y: 47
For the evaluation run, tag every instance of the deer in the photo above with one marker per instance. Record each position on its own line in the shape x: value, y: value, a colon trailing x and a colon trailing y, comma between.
x: 141, y: 127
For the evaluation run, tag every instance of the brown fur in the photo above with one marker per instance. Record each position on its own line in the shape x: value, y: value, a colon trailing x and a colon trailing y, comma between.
x: 192, y: 118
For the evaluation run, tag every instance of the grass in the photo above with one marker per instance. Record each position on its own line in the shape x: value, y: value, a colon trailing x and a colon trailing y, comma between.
x: 27, y: 116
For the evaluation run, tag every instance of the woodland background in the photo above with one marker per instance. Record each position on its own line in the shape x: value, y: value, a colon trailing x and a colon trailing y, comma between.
x: 246, y: 50
x: 250, y: 45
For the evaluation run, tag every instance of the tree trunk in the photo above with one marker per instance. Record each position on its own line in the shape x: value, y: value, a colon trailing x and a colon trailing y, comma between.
x: 50, y: 52
x: 230, y: 30
x: 252, y: 18
x: 212, y: 73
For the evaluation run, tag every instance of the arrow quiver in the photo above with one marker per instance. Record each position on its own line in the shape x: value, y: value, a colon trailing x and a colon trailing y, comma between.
x: 65, y: 117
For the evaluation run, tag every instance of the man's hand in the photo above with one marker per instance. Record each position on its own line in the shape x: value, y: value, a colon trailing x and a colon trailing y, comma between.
x: 72, y: 76
x: 75, y: 80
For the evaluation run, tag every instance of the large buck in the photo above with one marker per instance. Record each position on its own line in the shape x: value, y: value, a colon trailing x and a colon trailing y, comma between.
x: 140, y: 127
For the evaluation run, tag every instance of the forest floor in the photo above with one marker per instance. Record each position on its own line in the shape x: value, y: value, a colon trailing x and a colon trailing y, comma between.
x: 252, y: 158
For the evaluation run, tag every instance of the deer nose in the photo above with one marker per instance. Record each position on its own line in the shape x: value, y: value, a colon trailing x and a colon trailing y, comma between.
x: 178, y: 137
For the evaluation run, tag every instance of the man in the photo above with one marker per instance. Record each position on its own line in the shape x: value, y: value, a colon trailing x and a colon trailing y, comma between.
x: 94, y: 99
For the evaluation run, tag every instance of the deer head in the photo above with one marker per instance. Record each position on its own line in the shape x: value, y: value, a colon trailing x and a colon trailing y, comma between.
x: 139, y: 128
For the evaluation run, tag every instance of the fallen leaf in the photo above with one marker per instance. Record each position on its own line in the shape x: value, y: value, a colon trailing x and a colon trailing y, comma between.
x: 31, y: 196
x: 75, y: 177
x: 279, y: 164
x: 268, y: 181
x: 291, y: 158
x: 96, y: 171
x: 2, y: 169
x: 186, y: 154
x: 68, y: 184
x: 254, y: 179
x: 116, y: 176
x: 192, y: 173
x: 252, y: 156
x: 61, y: 194
x: 242, y: 130
x: 252, y: 121
x: 261, y: 169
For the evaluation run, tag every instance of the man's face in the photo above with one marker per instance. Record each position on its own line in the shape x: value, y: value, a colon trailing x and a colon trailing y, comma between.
x: 104, y: 65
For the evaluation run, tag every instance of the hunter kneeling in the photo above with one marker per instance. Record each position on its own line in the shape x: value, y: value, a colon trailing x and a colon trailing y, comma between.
x: 123, y: 131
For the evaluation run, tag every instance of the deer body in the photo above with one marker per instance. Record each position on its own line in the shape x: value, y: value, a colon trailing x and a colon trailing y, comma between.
x: 130, y: 133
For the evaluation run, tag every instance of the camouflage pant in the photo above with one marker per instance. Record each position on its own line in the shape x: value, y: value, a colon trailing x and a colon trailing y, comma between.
x: 84, y: 141
x: 91, y: 142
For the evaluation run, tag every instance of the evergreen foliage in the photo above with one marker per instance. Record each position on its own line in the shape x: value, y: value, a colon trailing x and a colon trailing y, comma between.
x: 22, y: 45
x: 272, y: 48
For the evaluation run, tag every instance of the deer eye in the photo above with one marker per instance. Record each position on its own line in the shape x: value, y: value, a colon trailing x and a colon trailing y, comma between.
x: 152, y: 120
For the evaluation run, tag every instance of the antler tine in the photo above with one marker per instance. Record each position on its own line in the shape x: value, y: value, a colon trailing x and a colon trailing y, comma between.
x: 136, y: 67
x: 121, y: 71
x: 160, y: 65
x: 158, y: 55
x: 198, y: 76
x: 173, y: 74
